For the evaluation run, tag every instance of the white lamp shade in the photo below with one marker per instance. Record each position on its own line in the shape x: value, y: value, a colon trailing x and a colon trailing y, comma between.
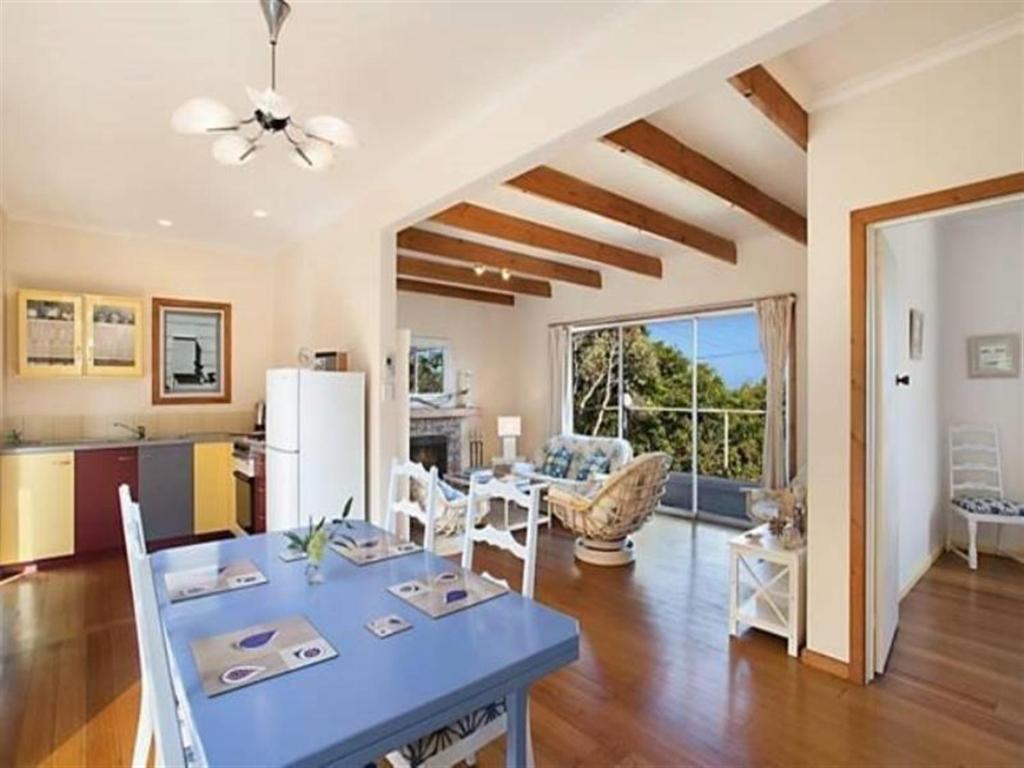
x: 314, y: 155
x: 509, y: 426
x: 269, y: 102
x: 202, y: 115
x: 232, y: 150
x: 331, y: 129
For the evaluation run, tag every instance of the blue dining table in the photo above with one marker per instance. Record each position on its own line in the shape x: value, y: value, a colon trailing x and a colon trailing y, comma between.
x: 377, y: 694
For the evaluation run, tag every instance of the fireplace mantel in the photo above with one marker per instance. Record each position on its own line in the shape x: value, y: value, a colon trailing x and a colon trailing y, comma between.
x: 443, y: 413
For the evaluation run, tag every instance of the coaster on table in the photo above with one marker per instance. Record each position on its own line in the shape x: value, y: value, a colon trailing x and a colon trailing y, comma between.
x: 386, y: 626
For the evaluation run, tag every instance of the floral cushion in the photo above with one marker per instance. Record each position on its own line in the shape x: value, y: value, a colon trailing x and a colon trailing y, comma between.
x: 597, y: 463
x: 989, y: 505
x: 557, y: 461
x: 425, y: 747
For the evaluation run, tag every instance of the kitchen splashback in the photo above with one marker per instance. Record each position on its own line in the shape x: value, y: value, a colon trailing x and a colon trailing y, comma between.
x: 172, y: 423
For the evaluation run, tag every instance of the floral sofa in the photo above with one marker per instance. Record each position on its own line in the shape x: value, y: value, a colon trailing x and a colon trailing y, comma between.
x: 573, y: 461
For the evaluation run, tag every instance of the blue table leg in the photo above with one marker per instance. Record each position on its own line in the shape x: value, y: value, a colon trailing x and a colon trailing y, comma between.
x: 516, y: 744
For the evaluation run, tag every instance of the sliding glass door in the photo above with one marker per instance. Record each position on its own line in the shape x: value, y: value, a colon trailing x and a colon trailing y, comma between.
x: 692, y: 386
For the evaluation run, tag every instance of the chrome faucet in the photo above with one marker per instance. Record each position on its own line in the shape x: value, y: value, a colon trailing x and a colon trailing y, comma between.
x: 140, y: 431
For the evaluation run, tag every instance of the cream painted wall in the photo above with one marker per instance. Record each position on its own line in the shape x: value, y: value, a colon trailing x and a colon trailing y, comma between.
x: 485, y: 339
x: 982, y: 281
x: 61, y: 258
x: 956, y: 123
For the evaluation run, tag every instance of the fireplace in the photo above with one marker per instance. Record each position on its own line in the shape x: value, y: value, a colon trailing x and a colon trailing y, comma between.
x: 430, y: 451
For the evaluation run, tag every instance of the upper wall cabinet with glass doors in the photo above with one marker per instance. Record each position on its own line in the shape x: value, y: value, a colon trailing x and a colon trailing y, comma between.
x: 65, y: 334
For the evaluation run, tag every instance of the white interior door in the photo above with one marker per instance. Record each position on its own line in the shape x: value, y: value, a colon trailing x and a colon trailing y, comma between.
x: 890, y: 327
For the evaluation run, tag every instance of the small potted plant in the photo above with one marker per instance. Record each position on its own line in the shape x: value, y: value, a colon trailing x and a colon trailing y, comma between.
x: 313, y: 543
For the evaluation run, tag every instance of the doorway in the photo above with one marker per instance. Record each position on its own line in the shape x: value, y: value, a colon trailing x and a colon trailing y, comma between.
x: 862, y: 425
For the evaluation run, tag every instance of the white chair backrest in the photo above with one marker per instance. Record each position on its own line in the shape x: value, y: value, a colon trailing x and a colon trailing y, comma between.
x: 153, y: 662
x: 482, y: 488
x: 975, y: 461
x: 400, y: 499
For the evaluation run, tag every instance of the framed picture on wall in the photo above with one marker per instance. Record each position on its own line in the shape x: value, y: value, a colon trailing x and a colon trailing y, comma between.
x: 191, y: 352
x: 994, y: 357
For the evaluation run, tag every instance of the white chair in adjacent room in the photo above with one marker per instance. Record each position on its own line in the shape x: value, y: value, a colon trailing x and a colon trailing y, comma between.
x: 460, y: 741
x: 976, y: 487
x: 158, y: 712
x: 400, y: 499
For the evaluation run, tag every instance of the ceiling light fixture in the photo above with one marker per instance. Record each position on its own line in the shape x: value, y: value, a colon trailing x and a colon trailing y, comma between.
x: 312, y: 144
x: 165, y: 222
x: 259, y: 213
x: 479, y: 270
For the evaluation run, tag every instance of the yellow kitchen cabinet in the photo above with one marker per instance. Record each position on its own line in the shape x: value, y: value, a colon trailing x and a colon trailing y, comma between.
x: 49, y: 333
x: 214, y: 487
x: 113, y: 336
x: 37, y: 506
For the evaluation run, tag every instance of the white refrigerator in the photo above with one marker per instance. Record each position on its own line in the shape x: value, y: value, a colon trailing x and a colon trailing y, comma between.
x: 316, y: 452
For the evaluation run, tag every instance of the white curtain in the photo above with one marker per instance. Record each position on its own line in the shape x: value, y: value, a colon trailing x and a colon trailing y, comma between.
x: 775, y: 325
x: 558, y: 368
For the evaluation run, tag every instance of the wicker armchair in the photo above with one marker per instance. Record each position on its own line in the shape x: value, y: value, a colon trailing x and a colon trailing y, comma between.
x: 605, y: 518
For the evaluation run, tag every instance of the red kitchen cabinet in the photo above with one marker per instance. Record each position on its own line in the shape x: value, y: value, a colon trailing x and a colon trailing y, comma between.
x: 98, y: 475
x: 259, y: 495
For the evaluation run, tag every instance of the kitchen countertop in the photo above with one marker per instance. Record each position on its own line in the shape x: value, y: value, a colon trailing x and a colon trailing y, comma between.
x: 95, y: 444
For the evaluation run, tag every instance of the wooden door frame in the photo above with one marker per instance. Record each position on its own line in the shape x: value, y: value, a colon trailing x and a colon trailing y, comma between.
x: 860, y: 221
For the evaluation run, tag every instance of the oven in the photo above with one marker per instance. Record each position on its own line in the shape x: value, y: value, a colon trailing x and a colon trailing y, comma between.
x: 244, y: 460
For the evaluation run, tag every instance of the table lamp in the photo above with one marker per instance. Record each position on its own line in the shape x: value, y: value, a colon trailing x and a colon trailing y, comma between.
x: 509, y: 428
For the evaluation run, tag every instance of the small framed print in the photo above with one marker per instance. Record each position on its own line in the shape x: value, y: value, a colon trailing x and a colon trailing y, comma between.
x: 916, y: 334
x: 994, y: 357
x: 191, y: 352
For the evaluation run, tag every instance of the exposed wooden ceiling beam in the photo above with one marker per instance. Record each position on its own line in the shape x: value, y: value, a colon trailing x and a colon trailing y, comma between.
x: 435, y: 244
x: 484, y: 221
x: 668, y: 153
x: 454, y: 292
x: 563, y: 188
x: 766, y: 93
x: 409, y: 266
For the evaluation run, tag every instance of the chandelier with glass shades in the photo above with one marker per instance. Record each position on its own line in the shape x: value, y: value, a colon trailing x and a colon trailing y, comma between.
x: 311, y: 144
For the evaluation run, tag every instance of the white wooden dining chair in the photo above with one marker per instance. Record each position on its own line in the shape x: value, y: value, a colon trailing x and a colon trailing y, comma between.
x: 158, y: 711
x: 976, y: 488
x: 400, y: 501
x: 461, y: 740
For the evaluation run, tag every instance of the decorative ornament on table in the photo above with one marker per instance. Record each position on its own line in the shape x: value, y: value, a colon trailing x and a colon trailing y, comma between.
x: 783, y: 510
x: 311, y: 144
x: 314, y: 543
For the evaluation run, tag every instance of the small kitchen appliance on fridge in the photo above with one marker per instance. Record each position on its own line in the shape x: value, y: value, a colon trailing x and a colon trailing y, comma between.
x: 315, y: 446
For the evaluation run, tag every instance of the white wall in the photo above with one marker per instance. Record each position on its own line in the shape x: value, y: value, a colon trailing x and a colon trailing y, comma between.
x: 958, y: 122
x: 485, y: 339
x: 63, y: 258
x: 982, y: 275
x: 912, y: 433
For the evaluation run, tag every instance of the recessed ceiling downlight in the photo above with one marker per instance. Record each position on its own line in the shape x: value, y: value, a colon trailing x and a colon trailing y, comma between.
x: 259, y: 213
x: 165, y: 222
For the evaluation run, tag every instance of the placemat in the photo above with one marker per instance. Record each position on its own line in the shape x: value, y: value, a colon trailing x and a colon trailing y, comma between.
x: 443, y: 593
x: 236, y: 659
x: 372, y: 547
x: 211, y: 579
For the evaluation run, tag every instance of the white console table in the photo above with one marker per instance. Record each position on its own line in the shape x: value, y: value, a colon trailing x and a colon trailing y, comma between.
x: 767, y: 586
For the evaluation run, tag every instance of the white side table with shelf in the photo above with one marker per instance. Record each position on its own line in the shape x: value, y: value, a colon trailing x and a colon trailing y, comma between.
x: 767, y: 586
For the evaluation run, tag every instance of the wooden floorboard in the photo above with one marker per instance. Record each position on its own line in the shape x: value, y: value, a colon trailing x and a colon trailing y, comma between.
x: 658, y: 683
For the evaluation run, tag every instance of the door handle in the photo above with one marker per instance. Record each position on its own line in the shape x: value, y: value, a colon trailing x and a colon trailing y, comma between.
x: 125, y: 458
x: 62, y: 463
x: 902, y: 379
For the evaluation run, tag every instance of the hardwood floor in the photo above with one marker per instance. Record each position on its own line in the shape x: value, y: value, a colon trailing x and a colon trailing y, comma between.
x: 658, y: 682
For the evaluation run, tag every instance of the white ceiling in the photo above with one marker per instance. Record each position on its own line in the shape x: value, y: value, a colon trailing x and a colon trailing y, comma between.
x: 87, y: 90
x: 720, y: 124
